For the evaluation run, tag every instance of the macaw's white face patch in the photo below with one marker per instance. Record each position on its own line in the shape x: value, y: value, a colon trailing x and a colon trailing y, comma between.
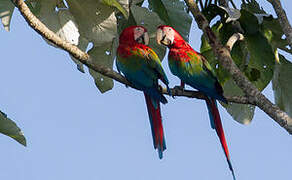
x: 141, y: 35
x: 165, y: 36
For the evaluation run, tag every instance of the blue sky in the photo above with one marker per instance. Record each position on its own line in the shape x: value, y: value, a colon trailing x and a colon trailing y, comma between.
x: 74, y: 132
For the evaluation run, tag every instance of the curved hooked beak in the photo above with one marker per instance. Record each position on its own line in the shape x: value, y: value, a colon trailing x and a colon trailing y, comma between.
x: 146, y: 38
x: 161, y: 38
x: 143, y: 39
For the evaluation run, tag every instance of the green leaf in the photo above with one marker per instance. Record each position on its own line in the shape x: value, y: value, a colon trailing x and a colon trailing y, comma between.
x: 268, y: 26
x: 158, y: 7
x: 272, y: 30
x: 85, y: 21
x: 254, y: 57
x: 137, y: 2
x: 227, y: 14
x: 6, y: 11
x: 242, y: 113
x: 206, y: 50
x: 177, y: 15
x: 248, y: 22
x: 82, y: 45
x: 233, y: 14
x: 69, y: 32
x: 34, y: 6
x: 9, y: 128
x: 211, y: 11
x: 103, y: 55
x: 150, y: 20
x: 116, y: 4
x: 96, y: 22
x: 282, y: 85
x: 61, y: 4
x: 61, y: 22
x: 177, y: 8
x: 253, y: 7
x: 122, y: 22
x: 261, y: 58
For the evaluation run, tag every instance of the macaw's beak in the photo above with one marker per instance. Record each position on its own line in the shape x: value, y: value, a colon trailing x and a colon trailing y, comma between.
x: 146, y: 38
x: 161, y: 38
x: 143, y: 39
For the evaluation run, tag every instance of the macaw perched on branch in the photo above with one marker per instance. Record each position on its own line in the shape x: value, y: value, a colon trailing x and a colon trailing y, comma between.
x: 142, y: 67
x: 193, y: 69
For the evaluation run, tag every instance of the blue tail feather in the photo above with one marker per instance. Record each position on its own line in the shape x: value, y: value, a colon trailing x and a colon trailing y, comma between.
x: 160, y: 152
x: 212, y: 122
x: 156, y: 95
x: 231, y: 168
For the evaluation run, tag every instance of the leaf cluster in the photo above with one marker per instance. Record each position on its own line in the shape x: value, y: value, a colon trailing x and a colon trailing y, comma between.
x: 94, y: 26
x: 257, y: 56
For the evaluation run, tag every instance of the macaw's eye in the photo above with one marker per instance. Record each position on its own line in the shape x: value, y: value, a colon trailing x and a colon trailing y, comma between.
x: 138, y: 32
x: 141, y: 36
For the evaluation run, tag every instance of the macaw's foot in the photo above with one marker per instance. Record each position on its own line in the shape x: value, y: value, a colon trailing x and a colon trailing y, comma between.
x: 160, y: 88
x: 182, y: 84
x: 177, y: 89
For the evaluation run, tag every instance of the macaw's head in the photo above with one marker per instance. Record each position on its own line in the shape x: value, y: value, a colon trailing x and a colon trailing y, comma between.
x: 134, y: 35
x: 168, y: 36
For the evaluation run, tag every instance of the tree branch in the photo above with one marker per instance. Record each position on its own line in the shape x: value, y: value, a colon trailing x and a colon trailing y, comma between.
x: 84, y: 58
x: 199, y: 95
x: 223, y: 54
x: 254, y: 96
x: 223, y: 3
x: 284, y: 22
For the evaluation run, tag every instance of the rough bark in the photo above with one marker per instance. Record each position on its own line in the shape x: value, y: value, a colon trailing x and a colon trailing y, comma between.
x: 284, y: 22
x: 224, y: 57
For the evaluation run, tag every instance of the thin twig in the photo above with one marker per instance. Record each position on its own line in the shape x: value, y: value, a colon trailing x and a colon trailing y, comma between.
x: 223, y: 3
x: 210, y: 2
x: 232, y: 40
x: 206, y: 3
x: 201, y: 4
x: 223, y: 54
x: 198, y: 95
x: 233, y: 4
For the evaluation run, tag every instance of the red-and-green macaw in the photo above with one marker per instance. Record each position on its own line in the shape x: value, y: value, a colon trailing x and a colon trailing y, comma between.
x: 142, y: 68
x: 193, y: 69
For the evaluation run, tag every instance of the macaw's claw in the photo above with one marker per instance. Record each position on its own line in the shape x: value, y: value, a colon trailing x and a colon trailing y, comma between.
x: 176, y: 89
x: 160, y: 88
x: 179, y: 88
x: 169, y: 91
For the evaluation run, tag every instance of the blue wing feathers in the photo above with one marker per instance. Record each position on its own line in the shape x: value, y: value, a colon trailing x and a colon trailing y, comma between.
x: 143, y: 80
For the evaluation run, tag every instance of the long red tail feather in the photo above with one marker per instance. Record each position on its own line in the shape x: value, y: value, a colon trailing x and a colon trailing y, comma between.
x: 219, y: 130
x: 153, y: 107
